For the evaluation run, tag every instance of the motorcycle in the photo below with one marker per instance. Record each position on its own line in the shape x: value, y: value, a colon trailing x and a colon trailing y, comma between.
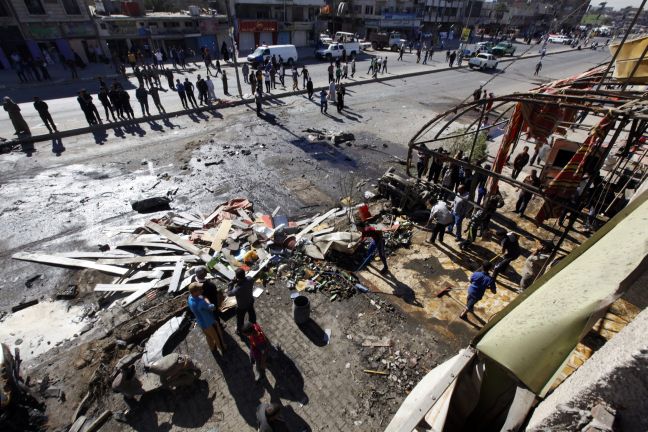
x: 171, y: 371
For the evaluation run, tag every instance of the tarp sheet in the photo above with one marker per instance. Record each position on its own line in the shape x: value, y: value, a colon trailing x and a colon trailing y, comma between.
x: 537, y: 336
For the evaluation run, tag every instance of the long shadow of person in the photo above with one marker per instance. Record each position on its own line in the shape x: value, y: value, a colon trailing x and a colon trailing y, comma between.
x: 239, y: 377
x: 401, y: 289
x: 100, y: 136
x: 289, y: 382
x: 57, y: 146
x: 191, y: 406
x: 168, y: 123
x: 155, y: 126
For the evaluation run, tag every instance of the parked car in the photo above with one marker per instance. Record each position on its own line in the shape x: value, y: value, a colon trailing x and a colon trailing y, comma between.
x: 335, y: 50
x: 561, y: 39
x: 503, y: 49
x: 484, y: 46
x: 365, y: 45
x: 483, y: 61
x: 287, y: 52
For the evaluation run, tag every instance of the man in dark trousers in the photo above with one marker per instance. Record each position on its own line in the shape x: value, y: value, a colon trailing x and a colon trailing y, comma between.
x: 479, y: 282
x: 181, y: 92
x: 258, y: 98
x: 105, y: 101
x: 510, y: 252
x: 378, y: 240
x: 524, y: 196
x: 155, y: 94
x: 520, y: 162
x: 43, y: 111
x: 309, y: 88
x: 124, y: 98
x: 189, y: 90
x: 142, y: 97
x: 224, y: 79
x: 241, y: 288
x: 115, y: 101
x: 201, y: 85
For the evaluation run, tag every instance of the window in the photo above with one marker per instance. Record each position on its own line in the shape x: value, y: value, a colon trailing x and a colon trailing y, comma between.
x: 34, y: 7
x: 71, y: 7
x: 368, y: 10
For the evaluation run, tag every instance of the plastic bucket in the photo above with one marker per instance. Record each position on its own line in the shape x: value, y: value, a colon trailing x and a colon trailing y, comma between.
x: 301, y: 309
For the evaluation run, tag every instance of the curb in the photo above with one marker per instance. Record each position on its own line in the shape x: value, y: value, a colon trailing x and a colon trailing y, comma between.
x: 232, y: 103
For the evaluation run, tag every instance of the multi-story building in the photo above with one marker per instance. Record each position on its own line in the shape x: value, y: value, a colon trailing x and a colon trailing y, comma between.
x: 529, y: 17
x: 122, y: 30
x: 269, y: 22
x: 46, y: 28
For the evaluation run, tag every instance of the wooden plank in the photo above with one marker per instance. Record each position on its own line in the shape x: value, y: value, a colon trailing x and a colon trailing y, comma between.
x: 238, y: 224
x: 243, y: 215
x: 97, y: 255
x: 68, y: 262
x: 175, y: 278
x: 253, y: 274
x: 221, y: 235
x: 316, y: 222
x: 146, y: 274
x: 153, y: 245
x: 149, y: 259
x: 123, y: 287
x: 274, y: 213
x: 185, y: 244
x: 139, y: 293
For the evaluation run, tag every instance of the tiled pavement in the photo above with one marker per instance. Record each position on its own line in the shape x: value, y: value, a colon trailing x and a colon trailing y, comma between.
x: 322, y: 387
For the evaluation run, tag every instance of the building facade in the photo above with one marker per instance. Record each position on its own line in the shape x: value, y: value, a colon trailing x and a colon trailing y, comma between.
x: 47, y: 29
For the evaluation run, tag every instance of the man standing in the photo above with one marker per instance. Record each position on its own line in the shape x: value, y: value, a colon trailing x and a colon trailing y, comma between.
x: 258, y: 100
x: 266, y: 78
x: 245, y: 69
x: 340, y: 98
x: 460, y: 209
x: 201, y: 85
x: 330, y: 72
x: 442, y: 218
x: 524, y: 196
x: 353, y: 67
x: 105, y: 101
x: 510, y: 252
x: 115, y: 101
x: 17, y: 120
x: 520, y: 162
x: 401, y: 51
x: 479, y: 282
x: 181, y: 92
x: 384, y: 65
x: 210, y: 89
x: 538, y: 68
x: 155, y: 94
x: 43, y: 111
x: 323, y: 102
x: 309, y: 88
x: 241, y: 288
x: 305, y: 74
x: 189, y: 90
x: 142, y: 97
x: 453, y: 56
x: 203, y: 311
x: 124, y: 100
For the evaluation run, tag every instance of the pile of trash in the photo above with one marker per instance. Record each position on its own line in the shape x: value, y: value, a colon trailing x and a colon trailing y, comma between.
x: 315, y: 254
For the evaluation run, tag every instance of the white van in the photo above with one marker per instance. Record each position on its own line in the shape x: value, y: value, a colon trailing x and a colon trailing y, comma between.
x: 288, y: 54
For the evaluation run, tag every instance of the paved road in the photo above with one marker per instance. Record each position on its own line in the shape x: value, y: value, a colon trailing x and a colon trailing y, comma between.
x: 67, y: 114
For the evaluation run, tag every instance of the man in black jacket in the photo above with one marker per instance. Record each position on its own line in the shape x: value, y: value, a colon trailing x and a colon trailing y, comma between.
x: 43, y: 112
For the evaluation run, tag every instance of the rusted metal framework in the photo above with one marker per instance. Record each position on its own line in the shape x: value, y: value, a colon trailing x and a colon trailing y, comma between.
x: 622, y: 120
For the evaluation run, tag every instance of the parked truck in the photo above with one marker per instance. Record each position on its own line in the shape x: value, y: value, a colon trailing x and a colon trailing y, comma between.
x: 342, y: 42
x: 382, y: 40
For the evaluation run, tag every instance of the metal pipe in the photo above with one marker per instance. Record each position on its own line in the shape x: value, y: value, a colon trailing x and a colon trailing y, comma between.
x: 625, y: 36
x: 481, y: 119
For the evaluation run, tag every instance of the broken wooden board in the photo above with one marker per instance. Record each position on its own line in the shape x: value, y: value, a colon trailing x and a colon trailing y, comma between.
x: 154, y: 245
x: 136, y: 295
x: 384, y: 342
x: 221, y: 235
x: 315, y: 222
x: 149, y: 259
x: 185, y: 244
x: 68, y: 262
x: 147, y: 274
x: 175, y: 278
x: 313, y: 251
x: 97, y: 255
x: 124, y: 287
x: 254, y: 273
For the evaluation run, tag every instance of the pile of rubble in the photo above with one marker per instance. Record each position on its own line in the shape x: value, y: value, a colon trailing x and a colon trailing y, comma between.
x: 315, y: 254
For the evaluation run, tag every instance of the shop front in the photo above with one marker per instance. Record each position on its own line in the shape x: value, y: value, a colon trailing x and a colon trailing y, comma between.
x: 252, y: 33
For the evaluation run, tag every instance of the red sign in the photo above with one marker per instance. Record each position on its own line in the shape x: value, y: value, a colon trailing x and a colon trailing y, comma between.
x: 258, y: 26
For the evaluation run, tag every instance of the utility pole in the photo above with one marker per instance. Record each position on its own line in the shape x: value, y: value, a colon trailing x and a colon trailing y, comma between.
x: 234, y: 50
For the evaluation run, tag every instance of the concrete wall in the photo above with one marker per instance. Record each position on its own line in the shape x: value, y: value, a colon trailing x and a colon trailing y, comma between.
x: 617, y: 374
x: 54, y: 12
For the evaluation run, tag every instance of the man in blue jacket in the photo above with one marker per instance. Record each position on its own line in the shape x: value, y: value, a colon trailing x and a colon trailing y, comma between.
x: 479, y: 282
x: 203, y: 311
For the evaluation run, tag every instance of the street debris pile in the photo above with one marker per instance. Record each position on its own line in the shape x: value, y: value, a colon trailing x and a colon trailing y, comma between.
x: 316, y: 254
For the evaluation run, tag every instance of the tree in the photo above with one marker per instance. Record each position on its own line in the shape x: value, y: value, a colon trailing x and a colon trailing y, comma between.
x: 465, y: 143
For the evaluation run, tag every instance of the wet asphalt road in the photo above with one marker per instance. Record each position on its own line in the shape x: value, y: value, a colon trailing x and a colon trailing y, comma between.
x: 63, y: 203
